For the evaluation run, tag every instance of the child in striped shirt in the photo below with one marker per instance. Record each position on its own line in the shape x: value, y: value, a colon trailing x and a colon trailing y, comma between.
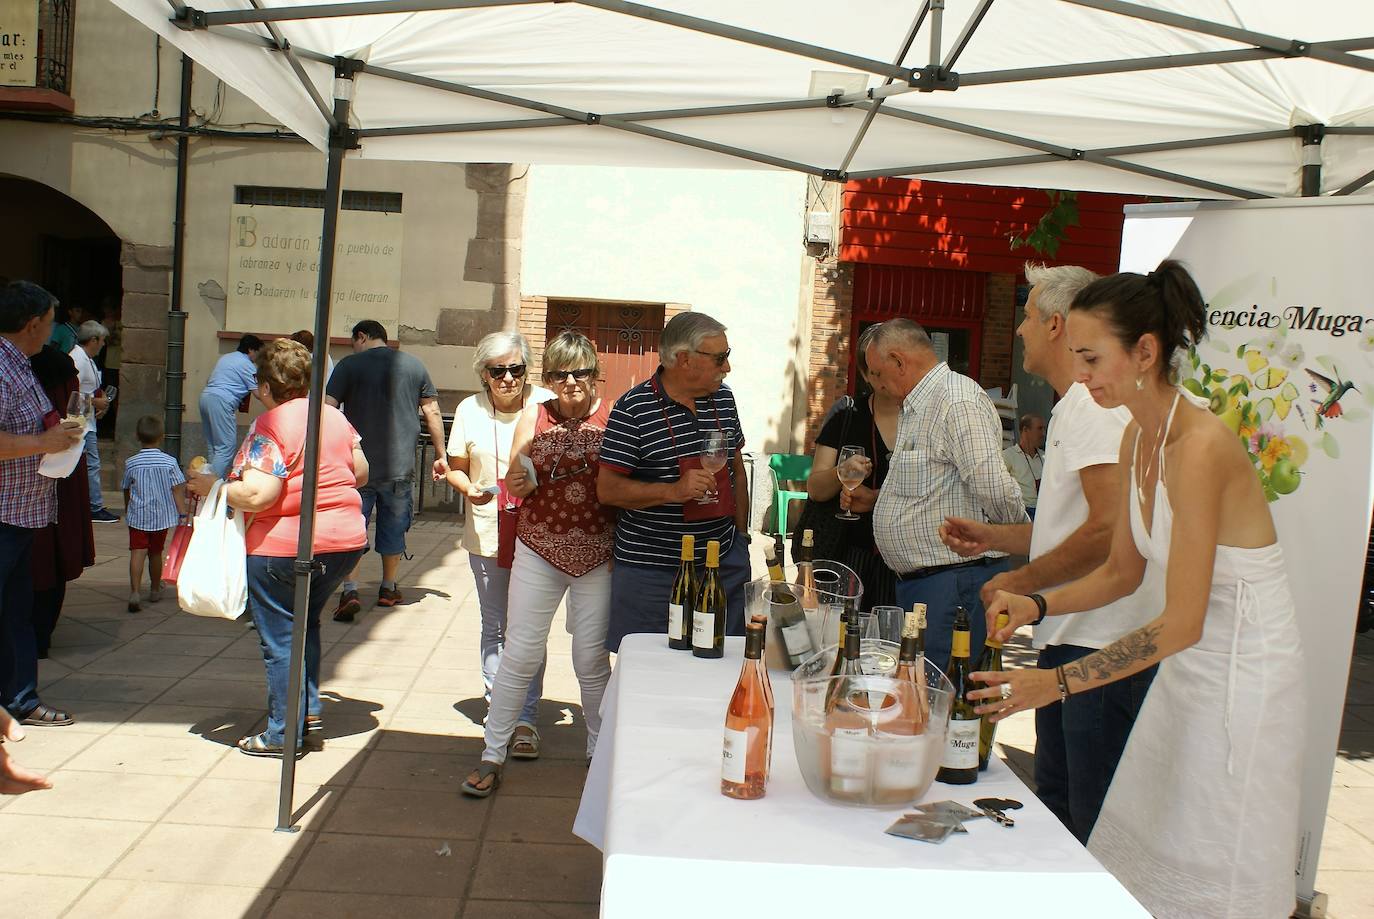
x: 155, y: 500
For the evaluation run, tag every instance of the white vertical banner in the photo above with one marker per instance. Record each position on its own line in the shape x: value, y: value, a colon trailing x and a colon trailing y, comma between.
x: 1288, y: 364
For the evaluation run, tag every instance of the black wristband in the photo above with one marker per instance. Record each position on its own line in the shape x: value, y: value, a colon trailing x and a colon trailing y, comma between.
x: 1040, y: 605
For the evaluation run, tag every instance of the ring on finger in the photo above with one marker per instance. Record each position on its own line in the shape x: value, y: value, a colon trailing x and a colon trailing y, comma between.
x: 1006, y: 691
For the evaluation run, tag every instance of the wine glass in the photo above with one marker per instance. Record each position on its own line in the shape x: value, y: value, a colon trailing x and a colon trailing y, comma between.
x: 852, y: 470
x: 715, y: 449
x: 78, y: 407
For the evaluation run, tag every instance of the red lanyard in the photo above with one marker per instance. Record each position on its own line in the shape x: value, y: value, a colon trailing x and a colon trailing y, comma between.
x: 662, y: 407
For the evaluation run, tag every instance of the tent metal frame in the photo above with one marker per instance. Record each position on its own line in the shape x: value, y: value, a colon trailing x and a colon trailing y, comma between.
x: 899, y: 78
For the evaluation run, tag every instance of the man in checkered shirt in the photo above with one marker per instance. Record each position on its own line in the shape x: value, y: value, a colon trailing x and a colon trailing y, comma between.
x: 947, y: 462
x: 29, y: 428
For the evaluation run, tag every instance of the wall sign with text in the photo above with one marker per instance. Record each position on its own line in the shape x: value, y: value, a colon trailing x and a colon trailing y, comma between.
x: 274, y: 255
x: 18, y: 42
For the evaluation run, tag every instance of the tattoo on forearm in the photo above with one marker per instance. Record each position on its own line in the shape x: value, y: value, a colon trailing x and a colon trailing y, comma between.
x: 1120, y: 655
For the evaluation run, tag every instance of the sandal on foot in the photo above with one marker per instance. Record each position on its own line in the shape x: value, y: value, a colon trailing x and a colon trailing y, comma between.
x: 257, y: 745
x: 44, y: 716
x: 488, y: 780
x: 524, y: 742
x: 314, y: 724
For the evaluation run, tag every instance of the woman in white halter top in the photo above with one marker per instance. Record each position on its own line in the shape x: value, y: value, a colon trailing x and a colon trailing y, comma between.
x: 1201, y: 819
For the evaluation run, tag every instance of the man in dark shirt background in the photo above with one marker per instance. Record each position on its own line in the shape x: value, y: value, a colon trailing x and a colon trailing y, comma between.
x: 380, y: 389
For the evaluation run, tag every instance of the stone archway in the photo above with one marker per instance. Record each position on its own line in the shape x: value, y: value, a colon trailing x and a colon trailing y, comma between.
x: 55, y: 240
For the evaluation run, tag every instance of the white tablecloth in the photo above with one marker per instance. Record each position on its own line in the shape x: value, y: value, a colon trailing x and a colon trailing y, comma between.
x: 675, y: 846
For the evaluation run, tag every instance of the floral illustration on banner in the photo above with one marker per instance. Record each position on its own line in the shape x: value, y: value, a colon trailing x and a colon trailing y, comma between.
x: 1280, y: 405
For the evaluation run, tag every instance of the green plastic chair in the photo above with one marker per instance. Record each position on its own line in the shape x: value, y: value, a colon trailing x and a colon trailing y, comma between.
x: 787, y: 467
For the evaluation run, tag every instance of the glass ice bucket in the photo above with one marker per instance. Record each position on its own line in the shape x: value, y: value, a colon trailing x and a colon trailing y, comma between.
x: 868, y: 748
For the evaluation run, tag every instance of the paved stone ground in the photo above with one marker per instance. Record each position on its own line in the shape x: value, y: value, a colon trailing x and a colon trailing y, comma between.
x: 155, y: 814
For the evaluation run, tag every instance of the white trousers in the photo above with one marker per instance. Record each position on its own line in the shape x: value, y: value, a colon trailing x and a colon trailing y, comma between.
x: 536, y: 589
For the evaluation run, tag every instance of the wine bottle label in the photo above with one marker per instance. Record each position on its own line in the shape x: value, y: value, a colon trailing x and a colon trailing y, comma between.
x: 733, y: 756
x: 703, y: 630
x: 674, y: 620
x: 849, y: 753
x: 897, y: 763
x: 797, y: 639
x: 961, y: 745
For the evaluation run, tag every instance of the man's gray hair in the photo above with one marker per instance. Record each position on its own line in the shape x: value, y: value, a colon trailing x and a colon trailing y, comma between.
x: 686, y: 332
x: 90, y: 330
x: 1058, y: 286
x: 494, y: 345
x: 902, y: 333
x: 1027, y: 420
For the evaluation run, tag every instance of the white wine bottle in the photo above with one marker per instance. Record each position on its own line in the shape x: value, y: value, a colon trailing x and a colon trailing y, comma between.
x: 770, y: 555
x: 847, y: 726
x: 806, y: 572
x: 748, y: 725
x: 682, y: 598
x: 991, y: 661
x: 708, y: 614
x: 901, y: 751
x: 959, y: 766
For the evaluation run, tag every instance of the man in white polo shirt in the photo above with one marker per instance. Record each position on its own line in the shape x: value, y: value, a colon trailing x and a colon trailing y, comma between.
x: 1078, y: 742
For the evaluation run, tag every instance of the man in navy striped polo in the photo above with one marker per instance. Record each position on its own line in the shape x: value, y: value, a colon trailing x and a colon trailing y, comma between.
x: 650, y: 469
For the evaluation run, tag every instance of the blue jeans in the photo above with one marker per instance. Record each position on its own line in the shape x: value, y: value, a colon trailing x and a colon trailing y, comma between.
x: 395, y: 510
x: 18, y: 651
x: 941, y: 592
x: 1079, y: 742
x: 493, y: 590
x: 639, y: 595
x: 271, y: 599
x: 92, y: 450
x: 219, y: 419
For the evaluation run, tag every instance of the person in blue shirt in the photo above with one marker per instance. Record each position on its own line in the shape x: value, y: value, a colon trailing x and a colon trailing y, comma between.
x: 234, y: 377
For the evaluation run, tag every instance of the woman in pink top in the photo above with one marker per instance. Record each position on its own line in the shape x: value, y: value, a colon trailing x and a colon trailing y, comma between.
x: 265, y: 482
x: 563, y: 546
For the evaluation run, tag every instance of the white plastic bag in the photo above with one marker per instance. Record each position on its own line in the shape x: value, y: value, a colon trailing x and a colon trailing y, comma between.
x: 214, y: 574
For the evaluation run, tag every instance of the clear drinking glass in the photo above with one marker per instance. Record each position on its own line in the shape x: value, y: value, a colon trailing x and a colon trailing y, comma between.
x: 851, y: 469
x: 715, y: 451
x: 79, y: 408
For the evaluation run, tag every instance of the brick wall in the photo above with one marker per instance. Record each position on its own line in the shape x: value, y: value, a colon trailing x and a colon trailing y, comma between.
x: 532, y: 321
x: 999, y: 330
x: 827, y: 378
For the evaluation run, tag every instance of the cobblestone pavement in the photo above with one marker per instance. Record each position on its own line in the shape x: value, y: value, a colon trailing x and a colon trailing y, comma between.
x: 155, y: 813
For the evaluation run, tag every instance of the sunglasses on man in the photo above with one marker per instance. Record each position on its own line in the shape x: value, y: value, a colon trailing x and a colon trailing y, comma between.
x: 581, y: 375
x: 515, y: 371
x: 720, y: 357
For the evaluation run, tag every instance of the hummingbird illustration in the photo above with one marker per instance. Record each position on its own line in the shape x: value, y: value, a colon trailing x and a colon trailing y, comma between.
x: 1329, y: 406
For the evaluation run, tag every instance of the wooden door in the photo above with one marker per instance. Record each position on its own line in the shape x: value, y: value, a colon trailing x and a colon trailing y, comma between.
x: 626, y: 337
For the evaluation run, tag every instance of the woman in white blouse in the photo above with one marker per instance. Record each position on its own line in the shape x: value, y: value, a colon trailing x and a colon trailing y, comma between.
x: 478, y: 450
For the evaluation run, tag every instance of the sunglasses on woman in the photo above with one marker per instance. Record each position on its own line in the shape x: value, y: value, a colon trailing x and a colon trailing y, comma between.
x: 516, y: 371
x: 581, y: 375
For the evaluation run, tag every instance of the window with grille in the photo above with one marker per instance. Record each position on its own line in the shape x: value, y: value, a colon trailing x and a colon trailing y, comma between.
x: 385, y: 201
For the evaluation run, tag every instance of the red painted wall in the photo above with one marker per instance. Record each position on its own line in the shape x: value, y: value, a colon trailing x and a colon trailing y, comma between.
x: 924, y: 224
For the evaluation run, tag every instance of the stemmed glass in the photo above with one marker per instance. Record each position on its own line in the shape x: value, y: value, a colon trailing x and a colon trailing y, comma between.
x: 852, y: 470
x: 79, y: 407
x: 715, y: 449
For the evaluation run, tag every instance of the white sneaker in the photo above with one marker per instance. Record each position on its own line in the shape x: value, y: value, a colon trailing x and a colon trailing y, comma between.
x: 155, y: 594
x: 135, y: 602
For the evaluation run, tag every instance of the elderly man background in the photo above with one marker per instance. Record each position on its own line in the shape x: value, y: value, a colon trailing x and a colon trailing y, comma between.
x: 1079, y: 741
x: 30, y: 426
x: 651, y: 470
x: 947, y: 462
x: 383, y: 393
x: 90, y: 338
x: 1025, y: 459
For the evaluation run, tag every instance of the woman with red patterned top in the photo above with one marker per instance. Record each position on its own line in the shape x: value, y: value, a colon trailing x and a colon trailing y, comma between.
x: 563, y: 545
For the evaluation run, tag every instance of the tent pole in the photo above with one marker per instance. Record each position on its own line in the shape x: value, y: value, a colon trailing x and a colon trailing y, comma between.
x: 937, y: 21
x: 174, y: 409
x: 1311, y: 135
x: 341, y: 140
x: 872, y: 113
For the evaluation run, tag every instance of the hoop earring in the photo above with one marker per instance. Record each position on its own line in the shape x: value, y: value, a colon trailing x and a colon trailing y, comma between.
x: 1139, y: 383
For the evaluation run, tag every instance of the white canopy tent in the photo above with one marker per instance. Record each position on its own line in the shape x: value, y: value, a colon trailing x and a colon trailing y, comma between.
x: 1186, y: 98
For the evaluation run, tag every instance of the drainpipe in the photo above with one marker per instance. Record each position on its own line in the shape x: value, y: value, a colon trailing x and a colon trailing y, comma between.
x: 174, y: 408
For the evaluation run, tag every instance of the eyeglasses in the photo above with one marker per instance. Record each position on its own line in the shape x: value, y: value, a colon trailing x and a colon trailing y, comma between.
x: 516, y: 371
x: 720, y: 357
x: 581, y: 375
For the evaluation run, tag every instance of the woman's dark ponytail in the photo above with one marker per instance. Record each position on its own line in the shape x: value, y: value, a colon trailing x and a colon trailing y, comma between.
x: 1165, y: 302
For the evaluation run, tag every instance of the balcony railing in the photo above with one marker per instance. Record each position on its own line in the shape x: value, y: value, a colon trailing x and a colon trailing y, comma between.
x: 55, y: 25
